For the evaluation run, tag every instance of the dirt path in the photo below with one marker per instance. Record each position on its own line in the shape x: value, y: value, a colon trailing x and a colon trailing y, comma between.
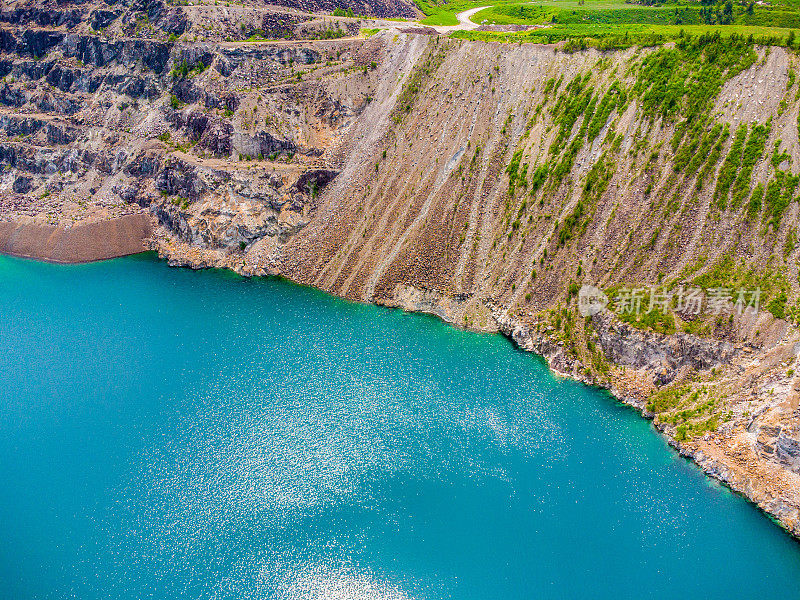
x: 298, y: 43
x: 464, y: 22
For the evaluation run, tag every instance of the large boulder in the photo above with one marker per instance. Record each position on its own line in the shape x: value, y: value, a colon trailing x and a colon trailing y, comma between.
x: 37, y: 43
x: 217, y: 137
x: 100, y: 19
x: 22, y: 185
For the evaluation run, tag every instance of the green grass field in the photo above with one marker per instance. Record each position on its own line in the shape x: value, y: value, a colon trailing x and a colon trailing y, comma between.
x: 445, y: 13
x: 602, y: 19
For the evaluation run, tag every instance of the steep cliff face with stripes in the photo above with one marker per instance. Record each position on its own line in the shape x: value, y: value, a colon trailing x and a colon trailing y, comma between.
x: 509, y: 172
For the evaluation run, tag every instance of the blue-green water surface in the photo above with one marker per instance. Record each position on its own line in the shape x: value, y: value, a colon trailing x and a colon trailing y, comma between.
x: 174, y: 434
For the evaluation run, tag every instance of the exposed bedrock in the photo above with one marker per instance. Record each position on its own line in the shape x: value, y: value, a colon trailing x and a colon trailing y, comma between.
x: 663, y: 355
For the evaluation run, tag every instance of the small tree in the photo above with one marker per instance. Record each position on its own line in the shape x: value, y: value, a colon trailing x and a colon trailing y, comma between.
x: 311, y: 186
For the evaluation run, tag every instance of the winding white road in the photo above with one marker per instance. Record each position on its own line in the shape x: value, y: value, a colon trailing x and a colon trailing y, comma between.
x: 464, y: 22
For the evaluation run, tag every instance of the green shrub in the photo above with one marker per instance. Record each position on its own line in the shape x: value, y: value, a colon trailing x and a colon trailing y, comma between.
x: 774, y: 201
x: 777, y: 306
x: 730, y: 167
x: 703, y: 152
x: 539, y: 177
x: 615, y: 97
x: 685, y: 80
x: 713, y: 158
x: 576, y: 100
x: 753, y: 150
x: 654, y: 320
x: 512, y: 170
x: 756, y: 200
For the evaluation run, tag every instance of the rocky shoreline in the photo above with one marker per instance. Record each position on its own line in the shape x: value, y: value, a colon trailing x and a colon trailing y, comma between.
x: 724, y: 455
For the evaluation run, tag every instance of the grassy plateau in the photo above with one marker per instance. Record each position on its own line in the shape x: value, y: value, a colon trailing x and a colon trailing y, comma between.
x: 608, y: 23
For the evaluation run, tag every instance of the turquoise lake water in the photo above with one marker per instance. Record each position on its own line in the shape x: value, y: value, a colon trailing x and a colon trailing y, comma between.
x: 174, y: 434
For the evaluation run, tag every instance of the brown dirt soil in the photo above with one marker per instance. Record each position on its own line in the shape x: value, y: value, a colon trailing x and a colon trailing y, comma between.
x: 83, y: 243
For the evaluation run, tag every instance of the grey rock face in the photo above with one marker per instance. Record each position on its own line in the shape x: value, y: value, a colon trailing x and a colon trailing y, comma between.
x: 314, y: 181
x: 100, y: 19
x: 231, y: 58
x: 787, y: 452
x: 38, y: 43
x: 62, y: 78
x: 22, y: 185
x: 12, y: 96
x: 217, y: 137
x: 262, y: 144
x: 660, y: 354
x: 43, y: 17
x: 180, y: 179
x: 14, y: 126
